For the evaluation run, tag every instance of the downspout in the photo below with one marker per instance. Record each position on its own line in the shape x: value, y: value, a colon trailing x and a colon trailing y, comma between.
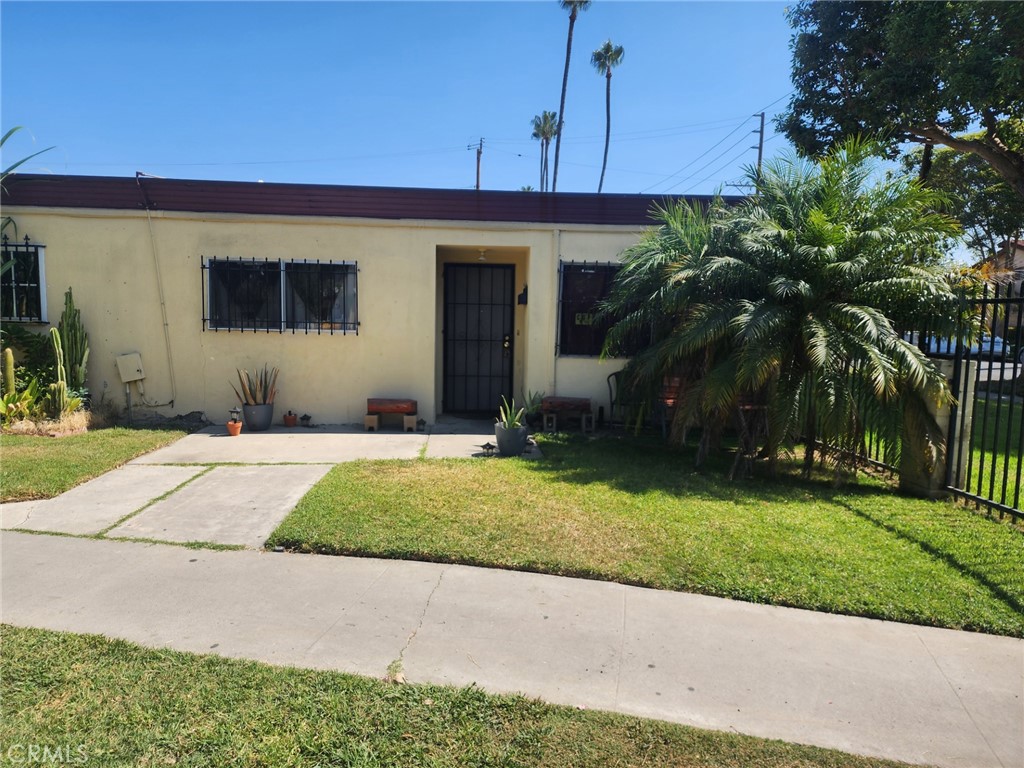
x: 558, y: 307
x: 160, y: 292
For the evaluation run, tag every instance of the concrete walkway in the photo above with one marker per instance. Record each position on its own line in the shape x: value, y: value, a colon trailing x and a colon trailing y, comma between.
x: 181, y: 493
x: 917, y: 694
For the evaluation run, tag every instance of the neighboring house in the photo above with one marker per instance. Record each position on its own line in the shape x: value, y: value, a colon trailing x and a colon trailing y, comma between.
x: 451, y: 297
x: 1010, y: 258
x: 1008, y: 265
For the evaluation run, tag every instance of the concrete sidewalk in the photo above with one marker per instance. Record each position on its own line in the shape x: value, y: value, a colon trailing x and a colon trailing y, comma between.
x: 181, y: 493
x: 876, y: 688
x: 917, y: 694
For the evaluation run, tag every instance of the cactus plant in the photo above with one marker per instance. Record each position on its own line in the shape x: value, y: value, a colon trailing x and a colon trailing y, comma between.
x: 56, y: 400
x: 75, y: 341
x: 9, y: 381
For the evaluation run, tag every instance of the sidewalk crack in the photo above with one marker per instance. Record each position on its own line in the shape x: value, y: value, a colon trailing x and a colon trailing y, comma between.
x: 959, y: 700
x: 394, y: 671
x: 622, y: 645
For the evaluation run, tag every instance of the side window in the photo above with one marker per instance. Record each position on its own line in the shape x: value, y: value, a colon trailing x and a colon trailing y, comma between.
x: 252, y: 295
x: 583, y: 286
x: 244, y: 295
x: 320, y: 297
x: 23, y: 282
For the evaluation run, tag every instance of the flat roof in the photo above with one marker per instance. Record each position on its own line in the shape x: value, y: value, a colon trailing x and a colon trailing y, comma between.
x: 128, y: 193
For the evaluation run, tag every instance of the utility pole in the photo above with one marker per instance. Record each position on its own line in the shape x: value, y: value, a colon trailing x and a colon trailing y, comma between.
x: 760, y: 143
x: 479, y: 152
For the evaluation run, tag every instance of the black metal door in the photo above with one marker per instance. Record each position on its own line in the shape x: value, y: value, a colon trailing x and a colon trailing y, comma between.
x: 478, y: 316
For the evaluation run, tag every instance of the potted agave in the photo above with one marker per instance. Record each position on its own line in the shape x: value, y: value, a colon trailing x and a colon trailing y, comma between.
x: 257, y: 393
x: 509, y: 432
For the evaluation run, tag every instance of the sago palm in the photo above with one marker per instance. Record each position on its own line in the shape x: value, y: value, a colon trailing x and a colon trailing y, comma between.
x: 792, y: 301
x: 605, y: 59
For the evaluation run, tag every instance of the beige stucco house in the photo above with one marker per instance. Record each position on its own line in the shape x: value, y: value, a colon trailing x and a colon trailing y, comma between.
x: 450, y: 297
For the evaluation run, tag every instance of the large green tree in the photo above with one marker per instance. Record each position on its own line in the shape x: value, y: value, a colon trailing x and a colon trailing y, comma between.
x: 573, y: 7
x: 988, y: 209
x: 791, y: 303
x: 909, y: 71
x: 605, y: 59
x: 545, y: 125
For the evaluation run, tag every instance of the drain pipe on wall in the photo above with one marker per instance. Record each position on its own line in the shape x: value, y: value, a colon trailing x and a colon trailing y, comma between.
x: 557, y: 237
x: 139, y: 175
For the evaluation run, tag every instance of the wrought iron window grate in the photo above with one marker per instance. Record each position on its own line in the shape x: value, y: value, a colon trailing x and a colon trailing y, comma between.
x: 581, y: 287
x: 271, y: 295
x: 23, y: 283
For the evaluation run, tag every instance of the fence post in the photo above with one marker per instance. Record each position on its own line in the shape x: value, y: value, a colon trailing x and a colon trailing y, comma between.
x: 919, y: 475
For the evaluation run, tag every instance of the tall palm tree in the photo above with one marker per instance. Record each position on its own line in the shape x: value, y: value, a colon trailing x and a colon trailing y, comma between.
x: 573, y: 7
x: 605, y: 59
x: 791, y: 302
x: 544, y: 127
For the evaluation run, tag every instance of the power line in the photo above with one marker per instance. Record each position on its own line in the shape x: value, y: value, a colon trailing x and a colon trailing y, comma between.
x: 713, y: 146
x: 578, y: 165
x: 280, y: 162
x: 697, y: 158
x: 649, y: 133
x: 715, y: 159
x: 719, y: 169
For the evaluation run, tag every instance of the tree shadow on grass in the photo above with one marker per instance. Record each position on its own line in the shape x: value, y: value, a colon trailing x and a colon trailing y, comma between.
x: 998, y: 591
x: 643, y: 464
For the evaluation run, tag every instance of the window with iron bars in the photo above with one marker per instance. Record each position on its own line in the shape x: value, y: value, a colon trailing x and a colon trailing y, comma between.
x: 23, y: 282
x: 272, y: 295
x: 582, y: 287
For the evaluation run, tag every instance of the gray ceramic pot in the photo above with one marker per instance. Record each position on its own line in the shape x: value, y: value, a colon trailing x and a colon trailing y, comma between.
x: 258, y: 418
x: 511, y: 442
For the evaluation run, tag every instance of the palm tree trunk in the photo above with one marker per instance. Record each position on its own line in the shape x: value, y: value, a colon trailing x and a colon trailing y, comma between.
x: 607, y: 126
x: 541, y: 182
x: 561, y: 103
x: 810, y: 436
x: 547, y: 146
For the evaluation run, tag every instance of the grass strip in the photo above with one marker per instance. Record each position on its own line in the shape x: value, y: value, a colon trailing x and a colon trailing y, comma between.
x: 123, y: 705
x: 632, y: 512
x: 43, y: 467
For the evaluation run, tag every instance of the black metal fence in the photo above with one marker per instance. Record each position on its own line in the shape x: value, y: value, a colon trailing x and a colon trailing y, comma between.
x: 985, y: 434
x: 986, y: 426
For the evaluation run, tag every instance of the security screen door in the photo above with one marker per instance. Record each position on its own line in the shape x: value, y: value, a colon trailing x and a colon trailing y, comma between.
x: 478, y: 336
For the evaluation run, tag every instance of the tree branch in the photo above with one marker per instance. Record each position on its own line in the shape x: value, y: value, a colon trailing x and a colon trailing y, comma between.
x: 1004, y: 161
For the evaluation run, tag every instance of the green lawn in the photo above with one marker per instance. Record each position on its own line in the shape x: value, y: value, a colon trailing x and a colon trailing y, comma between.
x: 624, y: 510
x: 41, y: 467
x: 129, y: 706
x: 996, y: 450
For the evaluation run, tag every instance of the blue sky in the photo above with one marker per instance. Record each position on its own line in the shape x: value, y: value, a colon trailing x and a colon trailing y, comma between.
x: 389, y: 93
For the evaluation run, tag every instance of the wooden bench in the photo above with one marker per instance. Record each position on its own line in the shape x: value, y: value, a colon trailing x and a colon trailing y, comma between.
x: 381, y: 406
x: 553, y: 407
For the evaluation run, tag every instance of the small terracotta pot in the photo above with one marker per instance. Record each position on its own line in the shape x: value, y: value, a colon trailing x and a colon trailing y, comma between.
x: 290, y: 419
x: 234, y: 428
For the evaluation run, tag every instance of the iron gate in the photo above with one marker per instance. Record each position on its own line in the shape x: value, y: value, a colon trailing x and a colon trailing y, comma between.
x: 986, y: 426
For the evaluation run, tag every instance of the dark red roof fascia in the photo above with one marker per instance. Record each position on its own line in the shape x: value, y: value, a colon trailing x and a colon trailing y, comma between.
x: 120, y: 193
